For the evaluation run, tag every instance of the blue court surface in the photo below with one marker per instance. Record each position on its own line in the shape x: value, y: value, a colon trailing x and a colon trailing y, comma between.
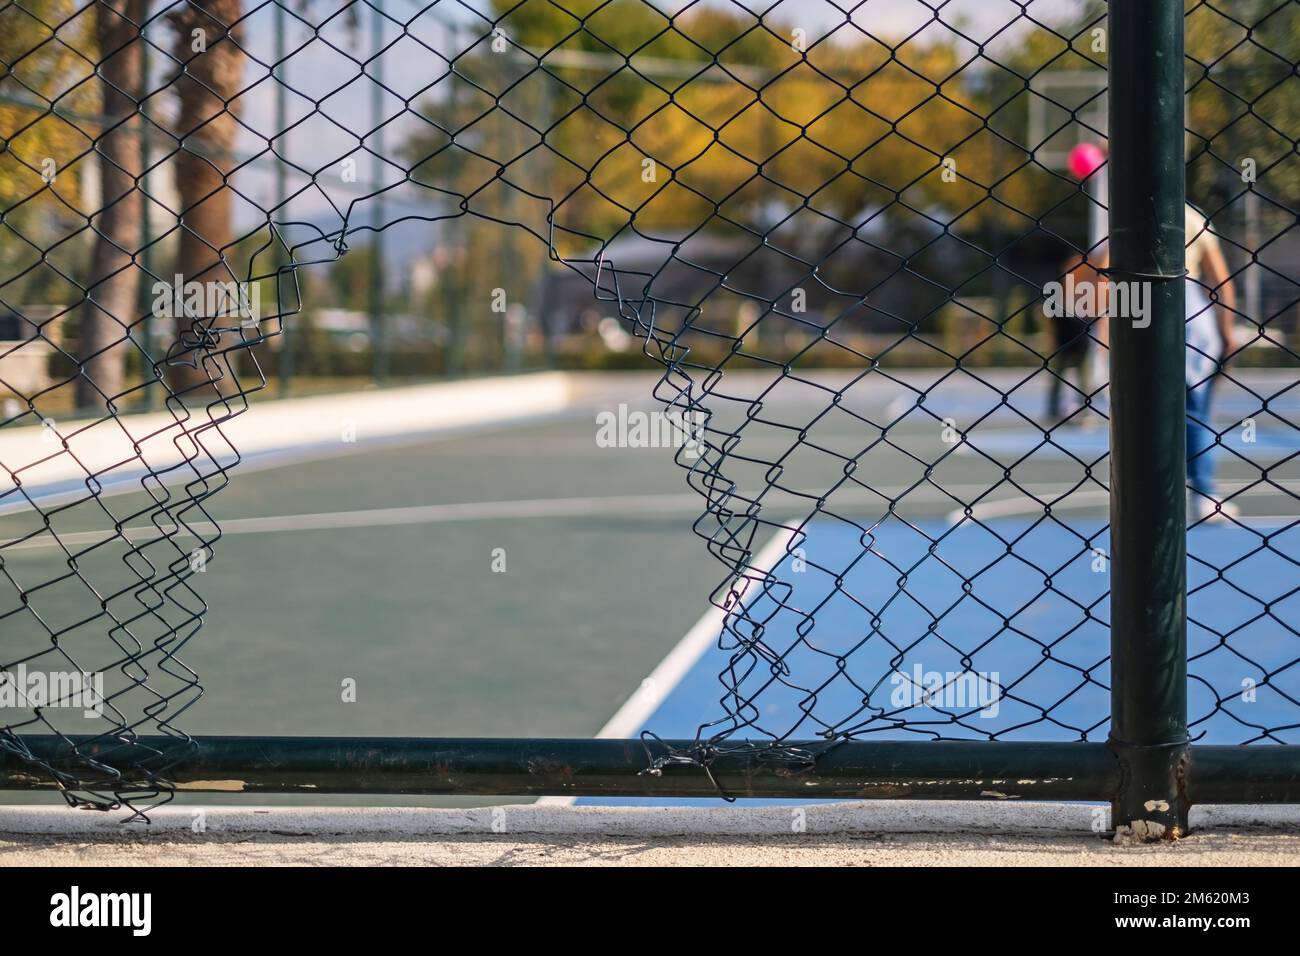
x: 1033, y: 625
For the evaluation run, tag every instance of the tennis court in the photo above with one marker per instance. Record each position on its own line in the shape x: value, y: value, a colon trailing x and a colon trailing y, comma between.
x: 373, y: 562
x: 518, y: 579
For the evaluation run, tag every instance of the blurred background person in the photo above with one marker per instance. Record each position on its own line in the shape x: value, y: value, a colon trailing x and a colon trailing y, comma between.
x: 1210, y: 343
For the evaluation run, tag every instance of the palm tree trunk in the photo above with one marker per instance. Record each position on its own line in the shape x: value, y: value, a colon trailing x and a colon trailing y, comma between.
x: 110, y: 307
x: 207, y: 128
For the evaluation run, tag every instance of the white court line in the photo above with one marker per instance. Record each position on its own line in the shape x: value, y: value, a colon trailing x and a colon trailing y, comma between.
x: 629, y: 719
x: 634, y: 505
x: 661, y: 505
x: 381, y: 517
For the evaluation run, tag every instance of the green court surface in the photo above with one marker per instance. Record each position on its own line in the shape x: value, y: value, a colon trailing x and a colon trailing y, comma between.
x: 602, y: 577
x: 438, y: 642
x: 376, y: 564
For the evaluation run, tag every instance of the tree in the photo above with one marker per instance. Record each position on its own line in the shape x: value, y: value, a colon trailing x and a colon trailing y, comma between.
x: 110, y: 305
x: 39, y: 202
x: 1243, y: 114
x: 207, y: 43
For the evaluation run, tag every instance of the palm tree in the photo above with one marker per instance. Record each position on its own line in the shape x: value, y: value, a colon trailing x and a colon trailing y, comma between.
x: 110, y: 303
x: 206, y: 88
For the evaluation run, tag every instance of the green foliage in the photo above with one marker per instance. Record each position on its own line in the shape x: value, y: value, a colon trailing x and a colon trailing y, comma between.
x: 736, y: 120
x: 1244, y: 99
x: 42, y: 102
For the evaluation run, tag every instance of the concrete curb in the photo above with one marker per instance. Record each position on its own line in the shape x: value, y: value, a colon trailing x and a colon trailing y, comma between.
x: 404, y: 823
x: 116, y: 451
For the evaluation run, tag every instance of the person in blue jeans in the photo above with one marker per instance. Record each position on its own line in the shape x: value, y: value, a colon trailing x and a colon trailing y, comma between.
x: 1210, y: 343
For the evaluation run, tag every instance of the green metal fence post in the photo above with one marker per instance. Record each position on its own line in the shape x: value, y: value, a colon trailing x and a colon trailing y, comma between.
x: 1148, y: 452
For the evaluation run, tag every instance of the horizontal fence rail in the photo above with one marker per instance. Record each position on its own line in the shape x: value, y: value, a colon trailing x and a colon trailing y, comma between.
x: 938, y: 770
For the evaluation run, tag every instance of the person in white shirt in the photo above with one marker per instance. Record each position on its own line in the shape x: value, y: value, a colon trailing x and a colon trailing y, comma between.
x: 1210, y: 344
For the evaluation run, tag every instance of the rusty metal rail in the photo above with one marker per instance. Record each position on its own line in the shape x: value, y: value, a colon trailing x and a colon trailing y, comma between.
x: 936, y: 770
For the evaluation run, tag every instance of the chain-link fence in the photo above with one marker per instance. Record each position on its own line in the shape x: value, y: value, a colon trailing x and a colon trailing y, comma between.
x: 892, y: 219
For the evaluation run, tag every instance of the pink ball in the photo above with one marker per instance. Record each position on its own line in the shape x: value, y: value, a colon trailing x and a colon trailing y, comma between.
x: 1084, y: 160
